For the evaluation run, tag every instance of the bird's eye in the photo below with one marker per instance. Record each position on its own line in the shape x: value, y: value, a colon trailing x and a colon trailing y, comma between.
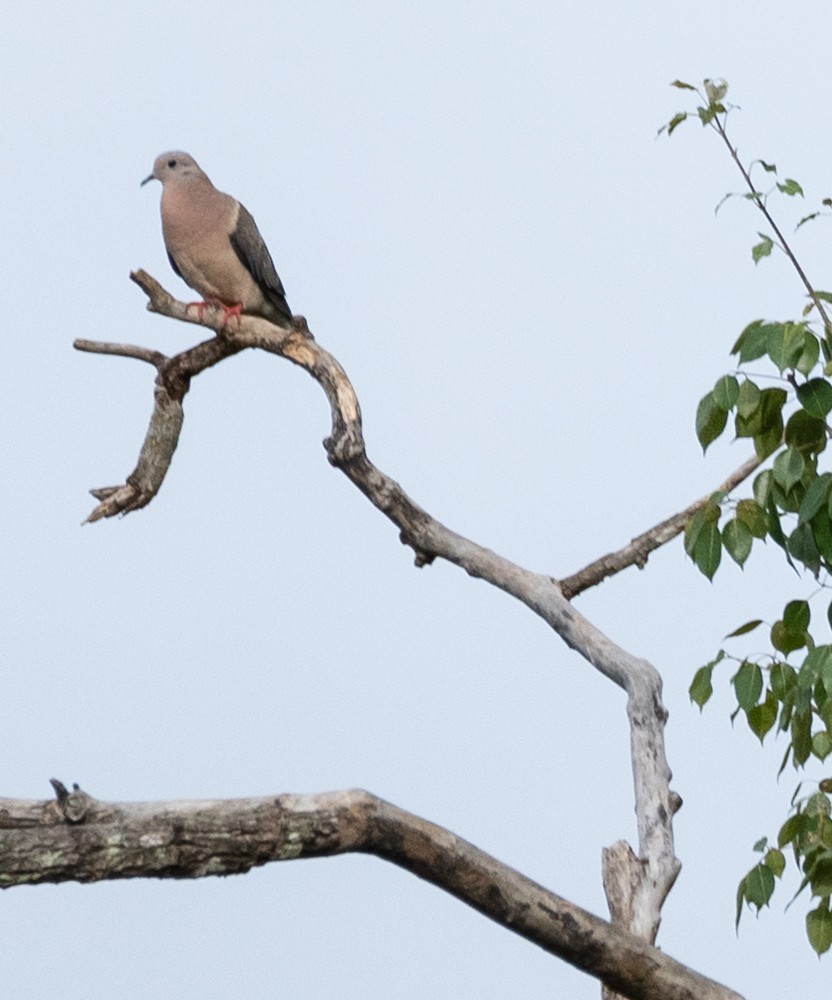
x: 171, y: 163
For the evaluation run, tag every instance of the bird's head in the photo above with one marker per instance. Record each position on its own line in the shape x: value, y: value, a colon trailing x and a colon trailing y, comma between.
x: 175, y: 165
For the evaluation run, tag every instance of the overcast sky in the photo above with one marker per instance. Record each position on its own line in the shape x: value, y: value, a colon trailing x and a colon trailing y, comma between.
x: 530, y: 294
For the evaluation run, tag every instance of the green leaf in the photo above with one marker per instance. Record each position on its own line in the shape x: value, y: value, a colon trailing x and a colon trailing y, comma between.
x: 788, y: 468
x: 674, y: 123
x: 752, y: 342
x: 762, y: 249
x: 707, y: 553
x: 740, y: 900
x: 801, y: 729
x: 775, y: 530
x: 825, y: 714
x: 807, y: 218
x: 726, y: 392
x: 819, y: 928
x: 784, y: 722
x: 790, y: 187
x: 782, y: 678
x: 823, y: 667
x: 822, y: 534
x: 792, y: 829
x: 797, y: 615
x: 737, y: 540
x: 821, y: 745
x: 768, y: 441
x: 748, y: 398
x: 818, y: 805
x: 785, y: 344
x: 817, y: 665
x: 692, y: 531
x: 761, y: 718
x: 789, y: 503
x: 771, y: 406
x: 762, y: 489
x: 819, y: 873
x: 681, y: 85
x: 745, y: 629
x: 775, y: 861
x: 816, y: 397
x: 710, y: 420
x: 723, y: 199
x: 748, y: 684
x: 759, y: 886
x: 753, y: 517
x: 784, y: 640
x: 816, y: 497
x: 701, y: 687
x: 801, y: 544
x: 809, y: 355
x: 806, y: 433
x: 769, y: 168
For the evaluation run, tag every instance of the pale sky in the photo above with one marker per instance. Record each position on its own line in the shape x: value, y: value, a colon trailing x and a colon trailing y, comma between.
x: 530, y: 294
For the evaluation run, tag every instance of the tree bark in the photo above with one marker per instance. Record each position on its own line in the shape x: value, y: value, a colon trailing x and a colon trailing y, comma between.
x: 636, y: 882
x: 77, y: 838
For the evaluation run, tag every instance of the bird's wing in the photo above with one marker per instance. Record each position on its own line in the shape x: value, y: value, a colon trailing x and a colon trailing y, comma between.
x: 255, y: 257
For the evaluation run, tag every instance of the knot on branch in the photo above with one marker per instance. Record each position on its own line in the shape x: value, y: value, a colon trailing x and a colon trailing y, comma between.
x: 75, y: 804
x: 300, y: 326
x: 421, y: 557
x: 345, y: 444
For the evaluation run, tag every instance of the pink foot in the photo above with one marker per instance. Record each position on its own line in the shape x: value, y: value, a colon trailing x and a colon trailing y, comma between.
x: 227, y: 311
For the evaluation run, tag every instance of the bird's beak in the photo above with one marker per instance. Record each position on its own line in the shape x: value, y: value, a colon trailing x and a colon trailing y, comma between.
x: 150, y: 177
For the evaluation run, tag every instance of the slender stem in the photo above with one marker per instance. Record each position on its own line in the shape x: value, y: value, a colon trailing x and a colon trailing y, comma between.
x: 758, y: 201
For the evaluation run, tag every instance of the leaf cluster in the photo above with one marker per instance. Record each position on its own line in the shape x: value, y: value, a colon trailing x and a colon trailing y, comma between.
x: 794, y: 699
x: 808, y: 831
x: 792, y: 501
x: 783, y: 409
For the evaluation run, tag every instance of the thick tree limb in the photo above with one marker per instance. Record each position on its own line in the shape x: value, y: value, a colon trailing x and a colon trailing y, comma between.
x: 638, y: 884
x: 77, y: 838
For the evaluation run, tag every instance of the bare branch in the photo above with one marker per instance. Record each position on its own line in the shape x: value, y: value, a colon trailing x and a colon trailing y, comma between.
x: 656, y: 804
x: 77, y: 838
x: 155, y: 358
x: 637, y: 552
x: 173, y: 382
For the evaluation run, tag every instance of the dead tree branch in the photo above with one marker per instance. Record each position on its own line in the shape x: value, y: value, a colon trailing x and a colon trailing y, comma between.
x: 637, y: 552
x: 656, y: 804
x: 77, y: 838
x: 637, y: 884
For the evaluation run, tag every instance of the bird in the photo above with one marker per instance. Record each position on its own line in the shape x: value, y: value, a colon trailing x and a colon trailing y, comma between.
x: 214, y: 245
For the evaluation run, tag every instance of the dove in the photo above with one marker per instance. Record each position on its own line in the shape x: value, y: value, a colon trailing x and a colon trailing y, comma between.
x: 214, y: 245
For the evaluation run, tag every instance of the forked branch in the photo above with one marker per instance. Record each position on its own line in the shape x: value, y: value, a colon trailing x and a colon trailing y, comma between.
x: 77, y: 838
x: 637, y: 883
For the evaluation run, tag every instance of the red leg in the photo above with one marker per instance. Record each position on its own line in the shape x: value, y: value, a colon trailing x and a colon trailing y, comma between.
x: 227, y: 311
